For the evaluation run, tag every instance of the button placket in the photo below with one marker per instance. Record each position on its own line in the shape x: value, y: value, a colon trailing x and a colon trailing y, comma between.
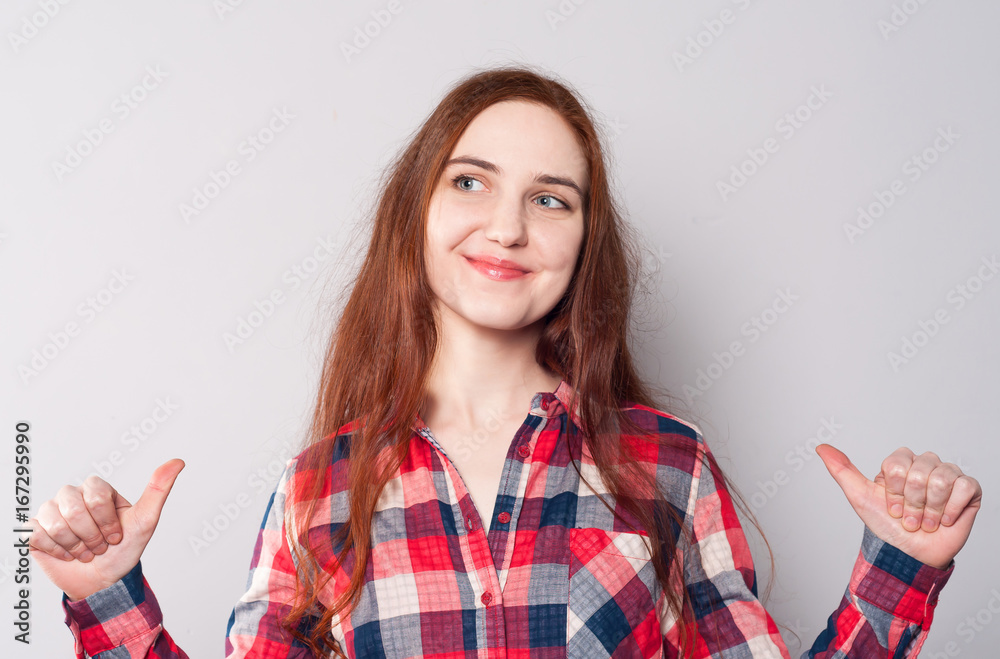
x: 482, y: 557
x: 476, y: 542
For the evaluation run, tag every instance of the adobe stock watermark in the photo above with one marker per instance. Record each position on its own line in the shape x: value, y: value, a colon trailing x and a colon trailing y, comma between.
x: 291, y: 279
x: 615, y: 127
x: 260, y: 480
x: 706, y: 38
x: 364, y: 35
x: 87, y: 311
x: 137, y: 435
x: 786, y: 126
x: 971, y: 627
x: 796, y: 459
x: 562, y: 12
x: 469, y: 444
x: 225, y: 7
x: 913, y: 168
x: 218, y: 180
x: 753, y: 329
x: 33, y: 24
x: 898, y: 17
x: 653, y: 260
x: 797, y: 631
x: 121, y: 108
x: 958, y: 296
x: 7, y: 569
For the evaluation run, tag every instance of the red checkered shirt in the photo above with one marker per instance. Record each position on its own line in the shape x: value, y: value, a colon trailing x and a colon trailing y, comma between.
x: 555, y: 575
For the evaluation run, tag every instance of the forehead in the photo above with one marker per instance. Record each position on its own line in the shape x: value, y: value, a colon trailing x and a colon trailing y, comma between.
x: 520, y: 135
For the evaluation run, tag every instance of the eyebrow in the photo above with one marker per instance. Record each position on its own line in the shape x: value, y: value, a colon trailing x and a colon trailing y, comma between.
x: 548, y: 179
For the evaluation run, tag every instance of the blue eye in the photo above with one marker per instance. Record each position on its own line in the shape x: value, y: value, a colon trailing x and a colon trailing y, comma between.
x: 464, y: 177
x: 558, y: 201
x: 458, y: 181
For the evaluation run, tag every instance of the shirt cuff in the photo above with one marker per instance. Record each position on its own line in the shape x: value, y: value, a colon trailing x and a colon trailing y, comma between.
x: 892, y: 580
x: 123, y: 613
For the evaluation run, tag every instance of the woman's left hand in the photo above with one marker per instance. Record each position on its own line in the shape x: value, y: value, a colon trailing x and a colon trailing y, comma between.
x: 917, y: 503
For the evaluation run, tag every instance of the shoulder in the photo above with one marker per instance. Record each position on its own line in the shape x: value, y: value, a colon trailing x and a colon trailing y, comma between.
x: 663, y: 438
x: 661, y: 422
x: 328, y: 451
x: 326, y: 460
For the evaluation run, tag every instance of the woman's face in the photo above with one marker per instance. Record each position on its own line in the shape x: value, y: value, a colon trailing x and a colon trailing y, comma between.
x: 512, y: 190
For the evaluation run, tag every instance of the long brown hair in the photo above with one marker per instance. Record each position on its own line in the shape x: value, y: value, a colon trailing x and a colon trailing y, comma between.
x: 377, y: 357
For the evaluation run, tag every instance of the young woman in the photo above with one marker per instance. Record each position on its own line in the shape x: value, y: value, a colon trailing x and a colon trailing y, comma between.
x: 486, y: 475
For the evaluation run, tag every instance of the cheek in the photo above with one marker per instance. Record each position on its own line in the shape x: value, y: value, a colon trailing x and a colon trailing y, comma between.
x: 442, y: 237
x: 435, y: 236
x: 448, y: 224
x: 562, y: 249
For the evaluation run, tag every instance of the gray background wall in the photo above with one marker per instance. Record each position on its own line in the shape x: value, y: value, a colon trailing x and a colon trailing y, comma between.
x: 676, y: 128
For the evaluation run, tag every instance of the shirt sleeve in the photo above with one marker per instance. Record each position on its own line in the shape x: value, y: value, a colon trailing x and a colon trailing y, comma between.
x: 124, y: 620
x: 254, y: 628
x: 885, y: 612
x: 887, y: 608
x: 120, y: 621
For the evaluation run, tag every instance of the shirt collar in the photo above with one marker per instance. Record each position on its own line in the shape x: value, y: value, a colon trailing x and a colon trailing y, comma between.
x: 554, y: 403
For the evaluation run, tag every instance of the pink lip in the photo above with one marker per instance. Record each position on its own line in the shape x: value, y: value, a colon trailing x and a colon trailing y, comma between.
x: 495, y: 268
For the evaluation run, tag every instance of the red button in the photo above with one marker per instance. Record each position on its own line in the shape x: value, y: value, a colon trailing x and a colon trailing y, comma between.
x: 523, y: 450
x: 545, y: 404
x: 486, y: 597
x: 504, y: 517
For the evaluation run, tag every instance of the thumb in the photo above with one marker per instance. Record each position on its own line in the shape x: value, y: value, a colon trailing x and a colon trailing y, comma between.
x: 851, y: 481
x: 147, y: 508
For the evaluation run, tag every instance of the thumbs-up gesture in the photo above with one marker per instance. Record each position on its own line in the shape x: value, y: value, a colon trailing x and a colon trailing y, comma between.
x: 87, y: 538
x: 916, y: 503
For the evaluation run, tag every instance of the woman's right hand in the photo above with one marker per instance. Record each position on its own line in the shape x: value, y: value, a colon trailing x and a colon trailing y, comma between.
x: 87, y: 538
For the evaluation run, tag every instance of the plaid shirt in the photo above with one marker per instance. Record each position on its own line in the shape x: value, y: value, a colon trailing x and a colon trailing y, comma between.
x: 555, y: 575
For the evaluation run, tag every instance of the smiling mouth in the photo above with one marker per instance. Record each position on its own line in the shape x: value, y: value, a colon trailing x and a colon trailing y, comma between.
x: 495, y: 271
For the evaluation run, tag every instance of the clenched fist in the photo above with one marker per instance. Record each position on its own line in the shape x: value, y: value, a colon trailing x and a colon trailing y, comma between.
x: 87, y: 538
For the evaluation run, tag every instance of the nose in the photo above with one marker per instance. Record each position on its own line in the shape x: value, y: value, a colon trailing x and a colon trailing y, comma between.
x: 507, y: 222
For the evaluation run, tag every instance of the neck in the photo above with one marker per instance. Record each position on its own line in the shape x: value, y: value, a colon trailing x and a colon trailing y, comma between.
x: 481, y: 373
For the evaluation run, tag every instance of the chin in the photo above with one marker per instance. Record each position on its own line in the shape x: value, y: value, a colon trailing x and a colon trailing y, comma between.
x: 498, y: 322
